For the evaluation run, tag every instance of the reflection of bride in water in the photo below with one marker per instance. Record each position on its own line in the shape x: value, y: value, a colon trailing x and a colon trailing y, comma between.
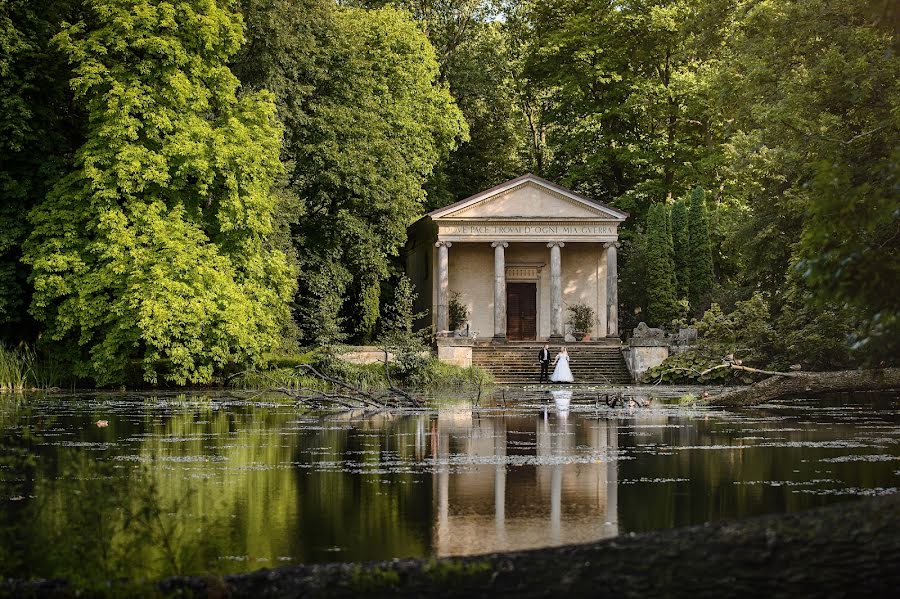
x: 562, y: 373
x: 562, y: 398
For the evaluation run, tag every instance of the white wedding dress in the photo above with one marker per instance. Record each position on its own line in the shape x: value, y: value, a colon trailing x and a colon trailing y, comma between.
x: 562, y: 373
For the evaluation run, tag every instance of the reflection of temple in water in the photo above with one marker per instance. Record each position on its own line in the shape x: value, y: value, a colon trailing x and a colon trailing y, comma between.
x: 535, y: 501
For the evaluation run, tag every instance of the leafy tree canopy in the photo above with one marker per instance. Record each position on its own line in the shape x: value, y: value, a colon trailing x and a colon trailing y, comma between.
x: 154, y: 247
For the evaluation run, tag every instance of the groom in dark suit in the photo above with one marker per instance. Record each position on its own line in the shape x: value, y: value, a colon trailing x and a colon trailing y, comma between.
x: 544, y: 359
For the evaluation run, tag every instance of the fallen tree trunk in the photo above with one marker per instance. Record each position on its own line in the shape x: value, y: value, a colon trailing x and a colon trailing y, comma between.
x: 808, y: 383
x: 848, y: 549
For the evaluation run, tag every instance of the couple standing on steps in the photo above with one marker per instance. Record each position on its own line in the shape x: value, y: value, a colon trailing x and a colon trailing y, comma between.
x: 561, y: 372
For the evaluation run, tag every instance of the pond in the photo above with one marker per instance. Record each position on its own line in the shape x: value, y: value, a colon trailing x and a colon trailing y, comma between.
x: 105, y: 485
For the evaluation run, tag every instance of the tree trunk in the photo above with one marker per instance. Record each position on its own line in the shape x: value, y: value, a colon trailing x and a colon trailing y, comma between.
x: 809, y: 383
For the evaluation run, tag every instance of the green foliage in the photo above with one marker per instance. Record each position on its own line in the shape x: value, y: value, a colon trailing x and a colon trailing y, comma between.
x: 681, y: 246
x: 410, y: 351
x: 699, y: 255
x: 458, y: 312
x: 15, y: 368
x: 633, y: 279
x: 440, y: 375
x: 23, y: 368
x: 581, y: 318
x: 475, y: 63
x: 154, y: 246
x: 36, y: 131
x: 374, y: 580
x: 662, y: 303
x: 624, y: 106
x: 448, y: 573
x: 814, y: 148
x: 746, y: 333
x: 686, y: 368
x: 812, y: 334
x: 156, y: 237
x: 428, y: 374
x: 472, y: 47
x: 292, y: 360
x: 369, y: 121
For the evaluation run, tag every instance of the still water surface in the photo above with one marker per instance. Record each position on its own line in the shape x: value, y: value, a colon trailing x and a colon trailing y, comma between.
x: 226, y: 483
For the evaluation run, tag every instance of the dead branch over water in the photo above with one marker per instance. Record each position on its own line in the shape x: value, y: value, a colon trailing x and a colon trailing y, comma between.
x: 342, y: 393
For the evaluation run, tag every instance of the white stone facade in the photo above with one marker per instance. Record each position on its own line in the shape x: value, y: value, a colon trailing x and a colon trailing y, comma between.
x: 526, y: 231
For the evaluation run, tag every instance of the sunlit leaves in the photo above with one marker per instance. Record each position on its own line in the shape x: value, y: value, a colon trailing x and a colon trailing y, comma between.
x: 153, y: 249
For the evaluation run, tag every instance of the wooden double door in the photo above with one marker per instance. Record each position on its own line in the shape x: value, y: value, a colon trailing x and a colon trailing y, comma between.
x: 521, y: 311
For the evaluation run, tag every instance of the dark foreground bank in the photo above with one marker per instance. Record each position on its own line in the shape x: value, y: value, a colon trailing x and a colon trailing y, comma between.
x: 850, y: 549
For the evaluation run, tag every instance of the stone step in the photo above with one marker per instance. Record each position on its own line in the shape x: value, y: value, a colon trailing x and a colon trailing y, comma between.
x: 517, y: 363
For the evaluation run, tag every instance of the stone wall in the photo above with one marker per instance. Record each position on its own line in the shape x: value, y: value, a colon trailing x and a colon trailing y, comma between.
x: 456, y: 354
x: 645, y: 353
x: 369, y: 354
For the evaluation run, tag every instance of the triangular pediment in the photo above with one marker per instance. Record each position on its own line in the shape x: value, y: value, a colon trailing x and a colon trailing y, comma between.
x: 528, y: 197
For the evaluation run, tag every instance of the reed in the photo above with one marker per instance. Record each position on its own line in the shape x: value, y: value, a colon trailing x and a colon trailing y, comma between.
x: 15, y: 368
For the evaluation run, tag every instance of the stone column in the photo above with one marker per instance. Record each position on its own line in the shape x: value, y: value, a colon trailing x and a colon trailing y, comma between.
x: 443, y: 294
x: 556, y: 315
x: 499, y: 290
x: 612, y: 289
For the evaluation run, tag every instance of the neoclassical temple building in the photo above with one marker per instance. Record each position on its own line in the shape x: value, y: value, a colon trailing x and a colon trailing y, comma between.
x: 516, y: 256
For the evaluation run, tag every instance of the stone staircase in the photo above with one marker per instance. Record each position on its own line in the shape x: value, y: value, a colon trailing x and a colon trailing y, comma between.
x: 516, y: 362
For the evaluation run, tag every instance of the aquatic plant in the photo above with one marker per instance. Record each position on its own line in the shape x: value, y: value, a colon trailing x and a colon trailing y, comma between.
x: 15, y: 368
x: 441, y: 375
x: 23, y: 368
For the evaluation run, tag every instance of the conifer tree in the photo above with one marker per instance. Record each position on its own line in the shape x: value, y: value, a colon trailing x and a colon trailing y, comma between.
x: 670, y: 248
x: 662, y: 305
x: 680, y: 244
x: 699, y: 254
x: 153, y: 249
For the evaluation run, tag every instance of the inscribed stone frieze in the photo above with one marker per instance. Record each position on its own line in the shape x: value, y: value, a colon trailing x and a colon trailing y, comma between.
x: 536, y: 230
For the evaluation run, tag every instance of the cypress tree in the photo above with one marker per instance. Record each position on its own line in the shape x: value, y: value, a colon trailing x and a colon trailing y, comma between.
x: 662, y: 305
x: 680, y: 244
x: 700, y: 264
x: 670, y: 246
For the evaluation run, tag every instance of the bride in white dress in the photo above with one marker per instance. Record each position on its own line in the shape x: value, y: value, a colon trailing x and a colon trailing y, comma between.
x: 562, y: 373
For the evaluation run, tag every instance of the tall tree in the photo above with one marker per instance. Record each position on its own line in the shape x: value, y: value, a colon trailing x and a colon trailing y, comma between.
x: 625, y: 122
x: 154, y: 247
x: 815, y: 95
x: 471, y: 46
x: 369, y: 124
x: 681, y: 247
x: 670, y: 247
x: 37, y: 132
x: 662, y: 303
x: 699, y: 253
x: 479, y: 77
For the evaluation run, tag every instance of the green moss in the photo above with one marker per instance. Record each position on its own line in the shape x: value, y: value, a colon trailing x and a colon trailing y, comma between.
x: 374, y: 580
x: 451, y: 572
